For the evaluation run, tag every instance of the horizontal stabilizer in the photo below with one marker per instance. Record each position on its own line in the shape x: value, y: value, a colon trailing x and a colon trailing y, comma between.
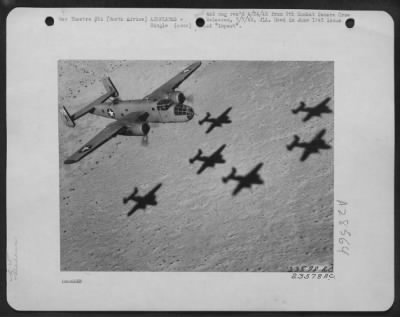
x: 70, y: 119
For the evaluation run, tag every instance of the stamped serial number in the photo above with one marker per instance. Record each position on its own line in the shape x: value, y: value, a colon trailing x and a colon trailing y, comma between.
x: 311, y: 268
x: 313, y: 276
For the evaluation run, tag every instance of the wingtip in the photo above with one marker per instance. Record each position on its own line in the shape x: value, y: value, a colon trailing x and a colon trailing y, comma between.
x: 69, y: 161
x: 196, y: 64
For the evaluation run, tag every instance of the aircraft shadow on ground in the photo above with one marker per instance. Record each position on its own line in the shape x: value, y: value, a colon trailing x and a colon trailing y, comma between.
x: 312, y: 147
x: 315, y: 111
x: 208, y: 161
x: 142, y: 202
x: 244, y: 181
x: 217, y: 121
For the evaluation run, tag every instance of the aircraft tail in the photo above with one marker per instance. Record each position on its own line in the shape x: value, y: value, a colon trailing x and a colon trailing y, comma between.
x: 131, y: 196
x: 205, y: 118
x: 294, y: 143
x: 199, y: 153
x: 109, y: 86
x: 230, y: 176
x: 300, y: 108
x: 69, y: 119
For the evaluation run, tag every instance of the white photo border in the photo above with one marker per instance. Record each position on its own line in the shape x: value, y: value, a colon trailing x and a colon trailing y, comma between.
x: 363, y: 161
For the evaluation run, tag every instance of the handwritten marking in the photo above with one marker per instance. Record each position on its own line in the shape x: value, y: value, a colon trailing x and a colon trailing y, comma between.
x: 344, y: 228
x: 12, y: 263
x: 73, y: 281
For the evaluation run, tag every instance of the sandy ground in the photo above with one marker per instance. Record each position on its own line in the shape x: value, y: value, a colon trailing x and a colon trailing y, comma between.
x: 197, y: 224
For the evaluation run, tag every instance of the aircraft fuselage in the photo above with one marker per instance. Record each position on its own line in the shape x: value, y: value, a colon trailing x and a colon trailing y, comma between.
x: 163, y: 111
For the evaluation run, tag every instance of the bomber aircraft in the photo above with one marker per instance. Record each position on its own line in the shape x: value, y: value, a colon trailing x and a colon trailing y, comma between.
x: 132, y: 117
x: 316, y: 111
x: 316, y: 144
x: 142, y: 201
x: 208, y: 161
x: 251, y: 178
x: 216, y: 122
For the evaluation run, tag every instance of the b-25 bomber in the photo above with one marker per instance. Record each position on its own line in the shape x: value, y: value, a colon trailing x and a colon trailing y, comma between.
x: 218, y: 121
x: 245, y: 181
x: 208, y: 161
x: 132, y: 117
x: 316, y: 111
x: 313, y: 146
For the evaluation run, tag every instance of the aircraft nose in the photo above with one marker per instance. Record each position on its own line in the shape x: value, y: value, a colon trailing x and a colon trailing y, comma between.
x: 190, y: 113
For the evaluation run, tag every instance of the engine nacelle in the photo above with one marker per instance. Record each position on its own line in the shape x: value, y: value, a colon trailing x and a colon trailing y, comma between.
x: 177, y: 97
x: 136, y: 129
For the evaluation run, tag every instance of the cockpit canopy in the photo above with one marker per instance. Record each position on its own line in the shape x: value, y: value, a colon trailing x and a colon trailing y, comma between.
x: 164, y: 104
x: 179, y: 109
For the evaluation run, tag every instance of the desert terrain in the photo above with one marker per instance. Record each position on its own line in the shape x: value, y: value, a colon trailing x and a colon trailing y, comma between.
x: 197, y: 224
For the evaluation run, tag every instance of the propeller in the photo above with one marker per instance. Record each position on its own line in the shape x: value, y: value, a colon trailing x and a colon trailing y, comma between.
x: 145, y: 140
x: 190, y: 98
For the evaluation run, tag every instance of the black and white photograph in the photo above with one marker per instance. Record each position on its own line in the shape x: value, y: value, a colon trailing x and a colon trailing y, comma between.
x: 200, y: 159
x: 196, y: 166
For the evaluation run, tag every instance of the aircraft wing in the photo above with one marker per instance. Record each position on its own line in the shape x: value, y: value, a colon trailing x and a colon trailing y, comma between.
x: 319, y: 135
x: 225, y: 113
x: 308, y: 117
x: 104, y: 135
x: 254, y: 174
x: 202, y: 168
x: 139, y: 116
x: 238, y: 188
x: 153, y: 191
x: 221, y: 148
x: 173, y: 83
x: 305, y: 155
x: 211, y: 127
